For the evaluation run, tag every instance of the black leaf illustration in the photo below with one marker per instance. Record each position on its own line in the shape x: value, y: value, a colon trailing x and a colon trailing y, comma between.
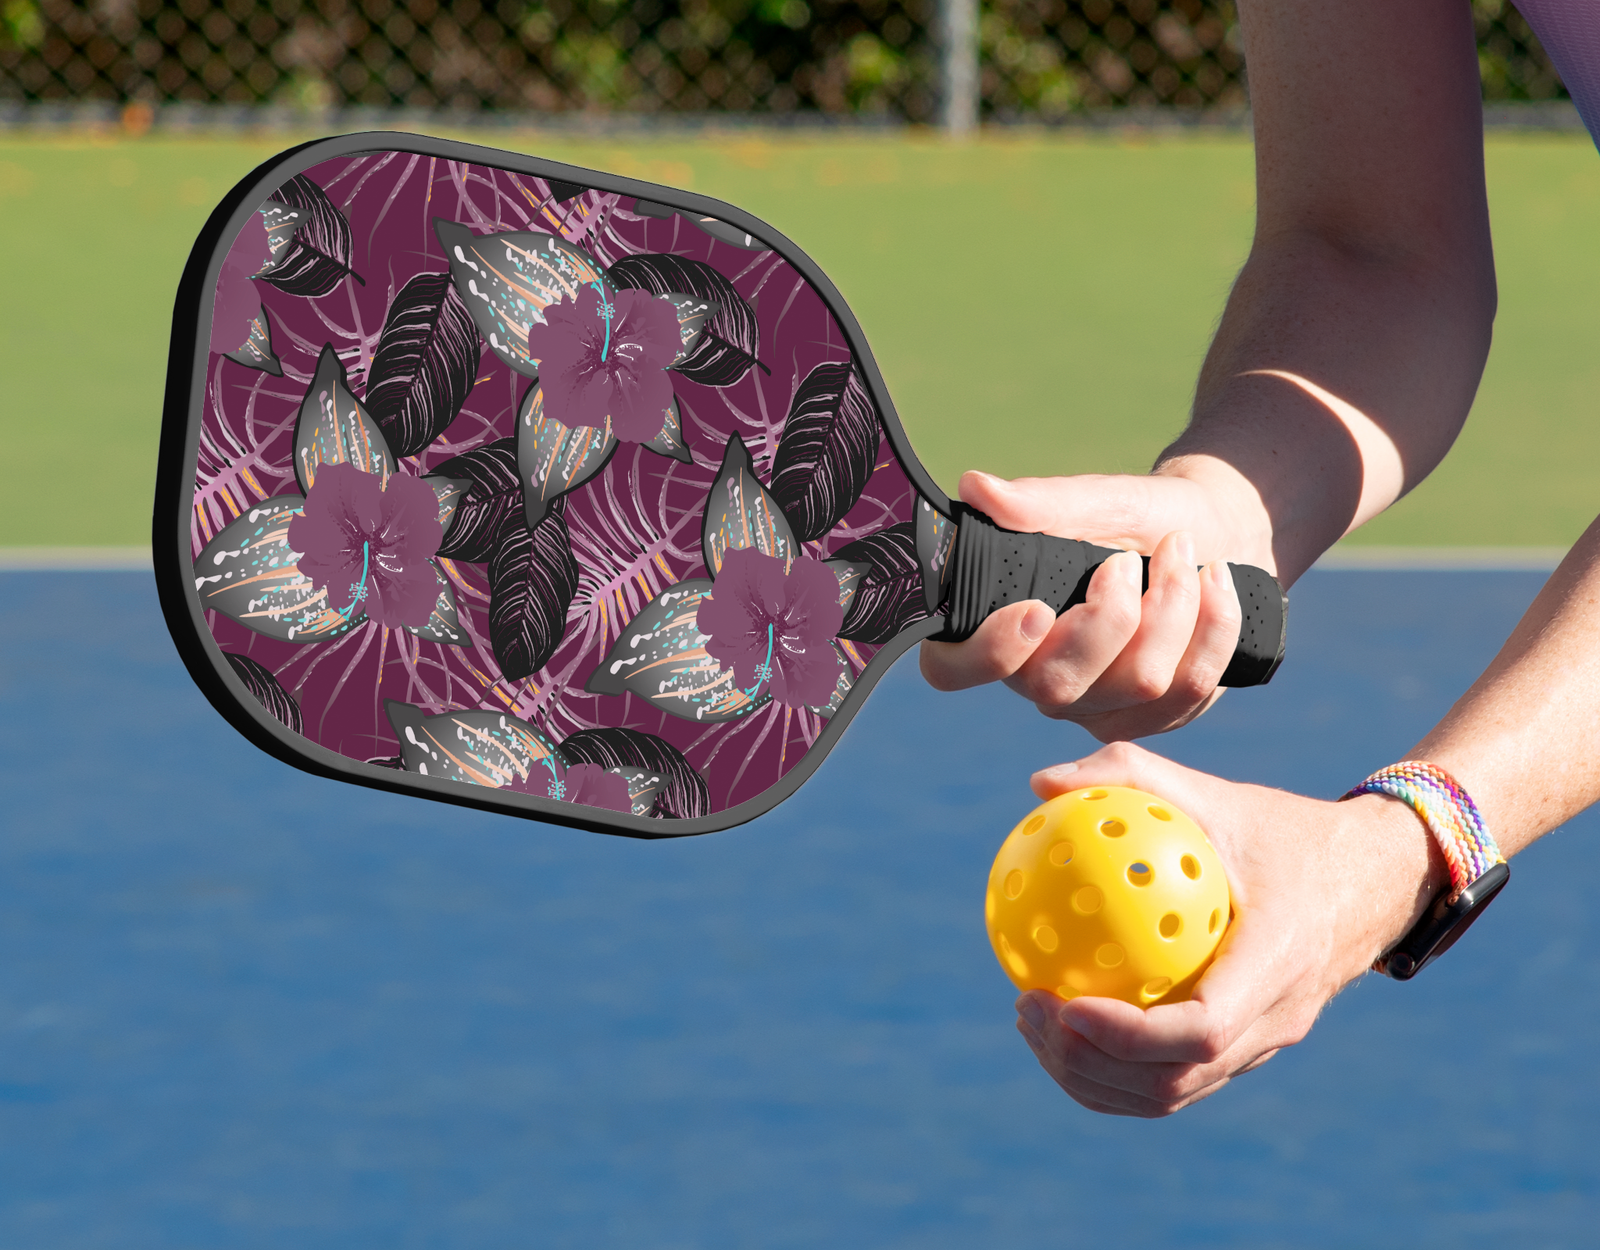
x: 741, y: 512
x: 424, y: 365
x: 256, y: 351
x: 553, y: 458
x: 333, y: 427
x: 444, y: 622
x: 250, y: 574
x: 660, y: 657
x: 318, y: 255
x: 730, y: 340
x: 714, y: 226
x: 532, y: 579
x: 506, y: 281
x: 827, y: 451
x: 682, y: 795
x: 561, y: 192
x: 261, y: 683
x: 890, y: 596
x: 494, y: 493
x: 480, y: 748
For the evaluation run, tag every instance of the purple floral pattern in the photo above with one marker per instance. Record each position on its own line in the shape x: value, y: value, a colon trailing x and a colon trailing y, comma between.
x: 368, y: 544
x: 603, y: 355
x: 634, y: 513
x: 771, y: 622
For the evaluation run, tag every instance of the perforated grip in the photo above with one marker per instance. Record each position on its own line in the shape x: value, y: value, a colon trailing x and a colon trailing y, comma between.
x: 991, y: 567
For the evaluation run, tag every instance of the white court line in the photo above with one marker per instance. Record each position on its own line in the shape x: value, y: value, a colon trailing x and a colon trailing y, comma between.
x: 1437, y: 559
x: 73, y: 559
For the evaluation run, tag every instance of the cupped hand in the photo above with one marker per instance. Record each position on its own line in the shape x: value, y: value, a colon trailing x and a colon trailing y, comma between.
x: 1319, y: 890
x: 1123, y: 663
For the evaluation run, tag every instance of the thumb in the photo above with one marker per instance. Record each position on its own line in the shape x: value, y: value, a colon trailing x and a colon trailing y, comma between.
x: 1121, y: 511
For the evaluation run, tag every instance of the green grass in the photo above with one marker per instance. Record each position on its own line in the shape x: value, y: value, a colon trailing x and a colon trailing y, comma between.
x: 1039, y: 304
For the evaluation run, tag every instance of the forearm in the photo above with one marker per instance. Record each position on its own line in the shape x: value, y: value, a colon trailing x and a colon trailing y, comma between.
x: 1335, y: 384
x: 1525, y: 739
x: 1353, y: 341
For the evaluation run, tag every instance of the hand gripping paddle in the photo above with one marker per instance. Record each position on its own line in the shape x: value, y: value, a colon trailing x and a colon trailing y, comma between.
x: 516, y: 485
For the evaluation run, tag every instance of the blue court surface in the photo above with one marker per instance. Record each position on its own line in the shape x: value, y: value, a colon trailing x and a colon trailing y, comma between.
x: 244, y: 1007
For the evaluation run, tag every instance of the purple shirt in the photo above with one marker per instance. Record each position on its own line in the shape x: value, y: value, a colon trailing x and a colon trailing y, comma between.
x: 1570, y: 32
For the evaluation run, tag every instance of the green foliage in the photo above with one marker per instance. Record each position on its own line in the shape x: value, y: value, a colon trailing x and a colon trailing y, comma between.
x: 20, y: 24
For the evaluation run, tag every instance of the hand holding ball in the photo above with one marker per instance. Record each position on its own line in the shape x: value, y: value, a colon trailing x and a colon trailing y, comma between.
x: 1108, y: 891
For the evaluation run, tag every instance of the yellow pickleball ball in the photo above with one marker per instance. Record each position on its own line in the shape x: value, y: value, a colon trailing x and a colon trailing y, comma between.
x: 1107, y: 891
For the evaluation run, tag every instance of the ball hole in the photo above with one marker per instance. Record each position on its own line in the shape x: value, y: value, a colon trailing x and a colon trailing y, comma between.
x: 1113, y: 828
x: 1216, y: 919
x: 1035, y: 823
x: 1140, y: 874
x: 1015, y: 880
x: 1044, y: 937
x: 1061, y: 854
x: 1171, y: 925
x: 1109, y: 955
x: 1093, y: 794
x: 1087, y: 900
x: 1160, y: 813
x: 1067, y: 992
x: 1013, y: 960
x: 1190, y: 866
x: 1154, y: 989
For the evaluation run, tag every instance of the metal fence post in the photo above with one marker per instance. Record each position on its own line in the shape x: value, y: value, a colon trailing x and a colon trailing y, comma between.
x: 958, y: 28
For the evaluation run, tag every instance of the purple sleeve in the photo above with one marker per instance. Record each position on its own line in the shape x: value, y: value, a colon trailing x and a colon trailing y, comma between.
x: 1570, y: 32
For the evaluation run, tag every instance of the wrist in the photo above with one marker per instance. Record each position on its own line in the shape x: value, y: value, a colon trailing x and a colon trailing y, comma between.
x: 1397, y: 870
x: 1240, y: 524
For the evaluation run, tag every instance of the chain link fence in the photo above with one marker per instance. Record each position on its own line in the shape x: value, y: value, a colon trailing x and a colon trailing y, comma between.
x: 1038, y: 59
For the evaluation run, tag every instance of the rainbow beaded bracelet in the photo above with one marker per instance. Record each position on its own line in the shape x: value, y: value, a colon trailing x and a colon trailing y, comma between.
x: 1447, y: 809
x: 1478, y: 871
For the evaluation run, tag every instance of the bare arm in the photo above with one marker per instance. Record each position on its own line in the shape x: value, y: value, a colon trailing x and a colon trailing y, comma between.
x: 1344, y: 364
x: 1322, y: 888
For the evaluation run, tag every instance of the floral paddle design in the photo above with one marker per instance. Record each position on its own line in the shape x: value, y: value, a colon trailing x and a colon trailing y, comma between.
x: 551, y: 491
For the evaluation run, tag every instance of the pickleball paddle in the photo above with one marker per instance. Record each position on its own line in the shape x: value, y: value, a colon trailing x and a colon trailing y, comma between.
x: 526, y: 487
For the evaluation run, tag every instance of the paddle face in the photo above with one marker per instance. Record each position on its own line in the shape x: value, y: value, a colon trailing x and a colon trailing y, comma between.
x: 517, y: 485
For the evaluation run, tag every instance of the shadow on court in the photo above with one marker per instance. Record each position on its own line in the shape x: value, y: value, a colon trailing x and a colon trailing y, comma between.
x: 244, y: 1007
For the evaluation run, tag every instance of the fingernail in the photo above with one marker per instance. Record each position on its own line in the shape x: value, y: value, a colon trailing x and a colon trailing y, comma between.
x: 1057, y: 770
x: 989, y: 478
x: 1132, y: 567
x: 1220, y: 573
x: 1185, y: 546
x: 1032, y: 1013
x: 1036, y: 622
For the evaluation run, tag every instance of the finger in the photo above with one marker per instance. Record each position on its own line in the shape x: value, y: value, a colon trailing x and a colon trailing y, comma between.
x: 1119, y: 764
x: 1193, y: 686
x: 1124, y: 764
x: 999, y: 647
x: 1236, y: 992
x: 1143, y: 671
x: 1215, y: 638
x: 1085, y: 639
x: 1070, y: 1054
x: 1120, y: 1087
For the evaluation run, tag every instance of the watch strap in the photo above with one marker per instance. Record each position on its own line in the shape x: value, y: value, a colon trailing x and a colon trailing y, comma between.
x: 1478, y: 871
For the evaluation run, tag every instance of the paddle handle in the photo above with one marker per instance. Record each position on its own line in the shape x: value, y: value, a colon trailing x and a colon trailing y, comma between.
x: 990, y: 567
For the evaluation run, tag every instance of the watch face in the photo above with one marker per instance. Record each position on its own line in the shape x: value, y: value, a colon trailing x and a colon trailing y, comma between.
x: 1445, y: 922
x: 514, y: 484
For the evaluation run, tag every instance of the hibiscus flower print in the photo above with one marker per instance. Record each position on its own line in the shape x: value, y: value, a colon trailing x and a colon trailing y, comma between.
x: 588, y: 784
x: 604, y: 353
x: 369, y: 545
x: 771, y: 622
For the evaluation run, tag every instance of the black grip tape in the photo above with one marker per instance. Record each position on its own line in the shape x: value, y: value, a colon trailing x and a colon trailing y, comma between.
x: 991, y: 567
